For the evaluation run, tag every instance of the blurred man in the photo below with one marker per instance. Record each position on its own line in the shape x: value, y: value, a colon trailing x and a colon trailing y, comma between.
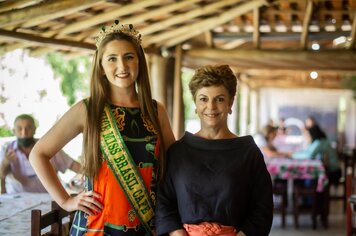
x: 16, y: 173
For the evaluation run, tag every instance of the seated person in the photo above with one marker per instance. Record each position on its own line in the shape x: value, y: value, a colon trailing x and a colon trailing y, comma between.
x: 16, y: 173
x: 264, y: 141
x: 320, y: 148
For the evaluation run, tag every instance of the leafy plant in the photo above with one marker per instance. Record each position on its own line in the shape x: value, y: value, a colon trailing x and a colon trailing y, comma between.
x: 5, y: 131
x: 74, y: 74
x: 350, y: 83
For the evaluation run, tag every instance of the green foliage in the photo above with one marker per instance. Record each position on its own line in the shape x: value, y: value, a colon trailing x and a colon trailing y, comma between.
x: 350, y: 83
x: 5, y: 131
x: 74, y: 75
x: 189, y: 107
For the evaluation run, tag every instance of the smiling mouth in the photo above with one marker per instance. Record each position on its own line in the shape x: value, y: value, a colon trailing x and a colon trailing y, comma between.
x: 122, y: 75
x: 211, y: 115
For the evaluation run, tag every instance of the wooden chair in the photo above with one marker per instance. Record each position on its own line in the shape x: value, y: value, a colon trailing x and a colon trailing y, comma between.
x: 280, y: 190
x: 53, y: 218
x: 348, y: 160
x: 319, y: 202
x: 351, y: 206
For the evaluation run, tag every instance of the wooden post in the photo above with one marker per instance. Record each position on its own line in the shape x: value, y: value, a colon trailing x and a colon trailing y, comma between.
x: 158, y: 79
x: 254, y: 105
x: 244, y: 108
x: 349, y: 178
x: 178, y: 111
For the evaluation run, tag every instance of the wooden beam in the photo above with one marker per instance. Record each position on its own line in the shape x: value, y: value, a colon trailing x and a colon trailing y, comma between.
x: 47, y: 7
x: 233, y: 44
x: 184, y: 33
x: 78, y: 27
x: 60, y: 13
x: 159, y: 81
x: 294, y: 84
x: 209, y: 39
x: 13, y: 46
x: 160, y: 11
x: 107, y: 16
x: 353, y: 34
x: 178, y: 111
x: 57, y: 43
x: 181, y: 18
x: 338, y: 60
x: 256, y: 28
x: 306, y: 22
x: 11, y: 5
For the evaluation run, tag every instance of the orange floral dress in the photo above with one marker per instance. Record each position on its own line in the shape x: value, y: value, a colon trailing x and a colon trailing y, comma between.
x: 118, y: 217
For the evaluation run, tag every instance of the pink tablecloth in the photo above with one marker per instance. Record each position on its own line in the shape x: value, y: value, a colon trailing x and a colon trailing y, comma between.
x: 298, y: 169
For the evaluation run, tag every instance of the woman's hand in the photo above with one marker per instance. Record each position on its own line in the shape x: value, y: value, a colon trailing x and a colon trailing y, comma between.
x: 87, y: 202
x: 240, y: 233
x: 178, y: 232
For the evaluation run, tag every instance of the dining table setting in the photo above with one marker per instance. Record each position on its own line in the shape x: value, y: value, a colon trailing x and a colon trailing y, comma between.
x: 15, y: 211
x: 288, y: 168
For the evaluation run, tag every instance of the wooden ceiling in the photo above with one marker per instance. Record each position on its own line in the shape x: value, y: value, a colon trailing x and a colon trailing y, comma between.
x: 268, y: 42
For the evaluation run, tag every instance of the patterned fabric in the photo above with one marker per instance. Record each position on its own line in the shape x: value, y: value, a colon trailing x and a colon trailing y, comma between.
x: 117, y: 217
x: 298, y: 169
x: 209, y: 229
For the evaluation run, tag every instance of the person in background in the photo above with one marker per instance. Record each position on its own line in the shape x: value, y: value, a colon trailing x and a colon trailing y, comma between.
x: 320, y: 148
x: 282, y: 129
x: 216, y: 182
x: 16, y: 173
x: 265, y: 141
x: 310, y: 122
x: 125, y: 135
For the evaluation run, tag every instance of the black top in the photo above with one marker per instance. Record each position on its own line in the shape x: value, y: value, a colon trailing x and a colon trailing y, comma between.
x: 224, y: 181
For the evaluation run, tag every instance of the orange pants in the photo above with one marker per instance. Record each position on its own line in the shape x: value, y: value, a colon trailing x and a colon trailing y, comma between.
x: 209, y: 229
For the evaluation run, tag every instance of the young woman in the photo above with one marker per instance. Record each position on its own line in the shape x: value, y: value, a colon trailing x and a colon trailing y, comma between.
x: 125, y: 134
x: 216, y: 183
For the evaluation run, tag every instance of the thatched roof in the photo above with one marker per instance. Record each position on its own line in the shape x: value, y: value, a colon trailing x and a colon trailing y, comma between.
x: 268, y: 42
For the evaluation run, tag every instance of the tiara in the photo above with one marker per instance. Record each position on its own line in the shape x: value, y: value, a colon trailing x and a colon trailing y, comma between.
x: 127, y: 29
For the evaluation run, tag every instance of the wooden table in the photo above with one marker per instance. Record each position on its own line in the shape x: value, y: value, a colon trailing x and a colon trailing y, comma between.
x: 15, y: 211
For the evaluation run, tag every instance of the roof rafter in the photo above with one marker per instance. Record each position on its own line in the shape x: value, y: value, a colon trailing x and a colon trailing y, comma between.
x: 9, y: 5
x: 178, y: 19
x: 49, y: 7
x: 57, y: 43
x: 107, y: 16
x: 181, y: 34
x: 337, y: 60
x: 306, y: 22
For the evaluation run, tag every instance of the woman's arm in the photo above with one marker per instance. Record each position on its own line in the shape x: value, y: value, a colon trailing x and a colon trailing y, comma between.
x: 260, y: 212
x: 69, y: 126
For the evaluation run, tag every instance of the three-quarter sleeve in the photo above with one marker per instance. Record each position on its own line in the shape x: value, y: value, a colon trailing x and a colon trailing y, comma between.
x: 167, y: 213
x: 260, y: 215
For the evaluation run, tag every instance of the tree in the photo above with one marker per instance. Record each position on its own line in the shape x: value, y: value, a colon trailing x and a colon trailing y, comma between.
x: 349, y: 82
x: 74, y: 75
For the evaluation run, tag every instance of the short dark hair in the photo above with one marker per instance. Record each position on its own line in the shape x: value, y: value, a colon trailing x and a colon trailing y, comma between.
x: 209, y: 75
x: 25, y: 117
x: 268, y: 129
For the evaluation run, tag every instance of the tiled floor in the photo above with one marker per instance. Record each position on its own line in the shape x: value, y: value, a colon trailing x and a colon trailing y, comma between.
x: 336, y: 224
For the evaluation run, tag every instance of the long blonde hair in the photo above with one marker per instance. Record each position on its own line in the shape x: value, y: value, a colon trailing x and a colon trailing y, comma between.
x: 100, y: 95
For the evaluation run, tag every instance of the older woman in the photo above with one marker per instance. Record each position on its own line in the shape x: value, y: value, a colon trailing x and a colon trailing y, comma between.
x: 216, y: 182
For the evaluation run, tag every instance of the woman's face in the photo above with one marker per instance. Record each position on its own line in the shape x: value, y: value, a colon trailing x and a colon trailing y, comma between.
x: 120, y: 63
x: 213, y: 105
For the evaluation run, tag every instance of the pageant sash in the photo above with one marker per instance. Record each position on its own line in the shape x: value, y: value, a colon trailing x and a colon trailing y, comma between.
x: 124, y: 168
